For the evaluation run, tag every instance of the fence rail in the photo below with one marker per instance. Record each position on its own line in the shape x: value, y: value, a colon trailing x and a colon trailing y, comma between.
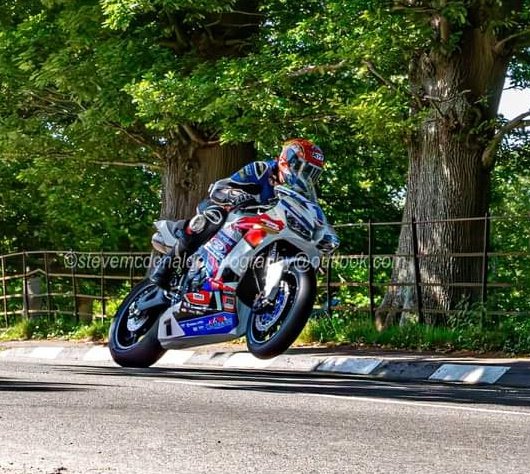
x: 84, y: 284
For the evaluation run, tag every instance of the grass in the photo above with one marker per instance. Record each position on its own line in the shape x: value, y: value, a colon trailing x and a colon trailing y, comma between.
x: 511, y: 337
x: 61, y: 328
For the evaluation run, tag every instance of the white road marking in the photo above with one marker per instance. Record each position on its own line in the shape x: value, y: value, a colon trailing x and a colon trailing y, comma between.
x: 423, y: 404
x: 46, y: 352
x: 350, y: 365
x: 174, y: 357
x: 244, y: 360
x: 469, y: 373
x: 97, y: 354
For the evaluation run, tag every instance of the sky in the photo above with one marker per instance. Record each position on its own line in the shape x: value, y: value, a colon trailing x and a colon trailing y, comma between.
x: 514, y: 102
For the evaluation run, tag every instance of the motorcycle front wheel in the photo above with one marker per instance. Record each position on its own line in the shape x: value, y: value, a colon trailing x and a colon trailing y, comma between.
x: 273, y: 328
x: 133, y: 336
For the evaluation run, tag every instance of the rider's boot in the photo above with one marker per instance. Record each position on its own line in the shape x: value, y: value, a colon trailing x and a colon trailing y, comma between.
x: 161, y: 273
x: 197, y: 230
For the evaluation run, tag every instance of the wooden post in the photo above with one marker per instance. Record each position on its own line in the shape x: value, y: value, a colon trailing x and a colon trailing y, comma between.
x: 417, y: 275
x: 103, y: 303
x: 485, y: 264
x: 371, y: 269
x: 47, y: 276
x: 74, y: 290
x: 25, y: 303
x: 329, y: 269
x: 4, y: 290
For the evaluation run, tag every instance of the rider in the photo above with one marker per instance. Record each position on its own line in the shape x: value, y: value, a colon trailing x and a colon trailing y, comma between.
x: 300, y: 164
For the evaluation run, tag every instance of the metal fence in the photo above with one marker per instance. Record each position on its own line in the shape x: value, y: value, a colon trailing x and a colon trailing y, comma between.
x: 69, y: 283
x: 82, y: 285
x: 501, y: 261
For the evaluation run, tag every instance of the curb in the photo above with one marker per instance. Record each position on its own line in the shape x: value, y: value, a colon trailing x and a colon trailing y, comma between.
x: 503, y: 372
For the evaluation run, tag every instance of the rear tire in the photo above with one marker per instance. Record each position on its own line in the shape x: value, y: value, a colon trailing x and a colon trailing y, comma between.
x: 140, y: 348
x: 268, y: 343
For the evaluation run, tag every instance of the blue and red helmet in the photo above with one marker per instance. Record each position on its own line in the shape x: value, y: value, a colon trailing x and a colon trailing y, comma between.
x: 300, y: 160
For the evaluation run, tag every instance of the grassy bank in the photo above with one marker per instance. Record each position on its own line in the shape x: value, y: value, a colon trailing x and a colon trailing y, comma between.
x: 510, y: 337
x: 61, y: 328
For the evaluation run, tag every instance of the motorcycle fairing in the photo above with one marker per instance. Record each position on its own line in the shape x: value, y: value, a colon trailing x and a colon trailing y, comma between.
x: 218, y: 323
x: 236, y: 254
x: 201, y: 330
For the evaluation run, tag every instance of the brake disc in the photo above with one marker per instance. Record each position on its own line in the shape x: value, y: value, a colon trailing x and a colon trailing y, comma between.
x: 266, y: 320
x: 136, y: 319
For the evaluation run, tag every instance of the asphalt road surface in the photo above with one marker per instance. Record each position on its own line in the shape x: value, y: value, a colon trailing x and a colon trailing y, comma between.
x: 102, y: 419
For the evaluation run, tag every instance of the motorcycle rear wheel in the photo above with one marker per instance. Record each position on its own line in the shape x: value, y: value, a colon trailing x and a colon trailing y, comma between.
x: 270, y: 332
x: 139, y: 348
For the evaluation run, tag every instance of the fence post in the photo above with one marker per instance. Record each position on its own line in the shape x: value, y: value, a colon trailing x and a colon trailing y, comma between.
x: 371, y: 269
x: 485, y: 264
x: 74, y: 290
x: 131, y: 276
x: 417, y: 275
x: 4, y: 290
x: 25, y: 303
x: 103, y: 301
x: 47, y: 276
x: 329, y: 269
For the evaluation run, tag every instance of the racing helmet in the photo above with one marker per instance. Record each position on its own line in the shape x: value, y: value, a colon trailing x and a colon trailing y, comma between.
x: 300, y: 160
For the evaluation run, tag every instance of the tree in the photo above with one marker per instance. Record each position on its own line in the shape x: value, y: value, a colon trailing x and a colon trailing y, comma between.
x: 163, y: 84
x: 67, y: 68
x: 424, y: 74
x: 66, y: 206
x: 455, y: 83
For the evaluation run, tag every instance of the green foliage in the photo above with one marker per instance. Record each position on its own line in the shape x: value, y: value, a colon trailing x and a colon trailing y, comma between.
x: 47, y: 204
x: 39, y: 328
x: 97, y: 331
x: 86, y: 83
x: 61, y: 328
x: 511, y: 234
x: 512, y: 337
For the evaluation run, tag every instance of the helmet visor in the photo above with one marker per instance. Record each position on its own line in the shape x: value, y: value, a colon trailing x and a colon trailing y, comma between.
x: 301, y: 169
x: 308, y: 172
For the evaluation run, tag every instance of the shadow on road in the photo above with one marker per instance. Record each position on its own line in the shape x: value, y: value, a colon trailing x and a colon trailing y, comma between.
x: 322, y: 384
x: 15, y: 385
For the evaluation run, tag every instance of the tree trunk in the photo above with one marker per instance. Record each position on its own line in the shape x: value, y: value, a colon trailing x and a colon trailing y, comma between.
x: 189, y: 171
x: 459, y: 94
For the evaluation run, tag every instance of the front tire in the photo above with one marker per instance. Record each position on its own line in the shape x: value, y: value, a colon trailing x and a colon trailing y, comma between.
x: 138, y: 348
x: 272, y: 332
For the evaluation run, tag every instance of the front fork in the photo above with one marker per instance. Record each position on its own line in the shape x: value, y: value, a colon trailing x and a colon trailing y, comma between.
x: 274, y: 269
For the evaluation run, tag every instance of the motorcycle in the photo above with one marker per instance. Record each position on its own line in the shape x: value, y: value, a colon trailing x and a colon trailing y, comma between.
x: 256, y: 277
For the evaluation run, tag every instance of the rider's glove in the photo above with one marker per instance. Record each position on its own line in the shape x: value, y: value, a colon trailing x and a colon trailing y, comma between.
x: 224, y: 194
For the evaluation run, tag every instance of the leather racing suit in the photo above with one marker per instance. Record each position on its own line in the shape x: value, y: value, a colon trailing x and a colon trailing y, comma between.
x: 251, y: 185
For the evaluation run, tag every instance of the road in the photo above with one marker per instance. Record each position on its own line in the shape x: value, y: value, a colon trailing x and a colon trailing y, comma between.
x: 102, y: 419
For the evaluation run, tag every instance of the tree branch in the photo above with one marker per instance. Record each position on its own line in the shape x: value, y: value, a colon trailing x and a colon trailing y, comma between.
x: 413, y: 5
x: 195, y: 137
x: 64, y: 155
x: 392, y: 85
x: 318, y: 69
x: 488, y: 157
x: 240, y: 12
x: 137, y: 138
x: 380, y: 77
x: 499, y: 47
x: 126, y: 164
